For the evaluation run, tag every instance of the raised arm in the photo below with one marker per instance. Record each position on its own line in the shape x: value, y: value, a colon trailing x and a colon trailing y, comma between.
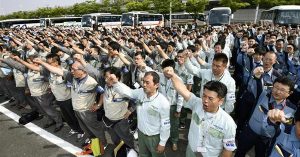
x: 179, y: 85
x: 51, y: 68
x: 124, y: 59
x: 28, y: 65
x: 192, y: 69
x: 122, y: 88
x: 14, y: 64
x: 162, y: 52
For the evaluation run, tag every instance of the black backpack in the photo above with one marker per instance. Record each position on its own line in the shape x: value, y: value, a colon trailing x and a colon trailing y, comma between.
x: 28, y: 117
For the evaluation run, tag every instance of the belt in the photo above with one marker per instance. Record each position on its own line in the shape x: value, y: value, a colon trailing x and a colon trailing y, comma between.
x: 148, y: 135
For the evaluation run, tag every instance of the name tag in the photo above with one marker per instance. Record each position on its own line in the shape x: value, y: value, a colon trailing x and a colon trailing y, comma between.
x: 38, y: 80
x: 136, y: 85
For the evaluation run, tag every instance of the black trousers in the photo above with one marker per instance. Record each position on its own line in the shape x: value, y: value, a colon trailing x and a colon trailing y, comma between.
x: 69, y: 115
x: 247, y: 139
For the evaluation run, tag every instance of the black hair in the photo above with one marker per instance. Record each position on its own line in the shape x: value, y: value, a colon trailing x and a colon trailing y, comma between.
x: 80, y: 46
x: 172, y: 44
x: 114, y: 45
x: 285, y: 81
x: 15, y: 52
x: 54, y: 50
x: 44, y: 43
x: 131, y: 40
x: 290, y: 37
x: 218, y: 43
x: 168, y: 63
x: 218, y: 87
x: 279, y: 40
x: 154, y: 75
x: 113, y: 70
x: 54, y: 57
x: 140, y: 53
x: 192, y: 48
x: 96, y: 49
x: 140, y: 45
x: 260, y: 50
x: 221, y: 57
x: 293, y: 45
x: 180, y: 51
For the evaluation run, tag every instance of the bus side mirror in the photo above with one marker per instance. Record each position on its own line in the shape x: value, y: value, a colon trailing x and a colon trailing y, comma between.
x: 231, y: 16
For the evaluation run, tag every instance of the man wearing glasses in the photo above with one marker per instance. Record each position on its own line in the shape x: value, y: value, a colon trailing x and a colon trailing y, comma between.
x: 256, y: 133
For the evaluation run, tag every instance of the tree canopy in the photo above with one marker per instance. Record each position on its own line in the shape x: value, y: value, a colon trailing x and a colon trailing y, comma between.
x: 157, y: 6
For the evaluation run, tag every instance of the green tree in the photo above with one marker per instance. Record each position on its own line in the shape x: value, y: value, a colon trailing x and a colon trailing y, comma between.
x: 234, y: 4
x: 196, y: 6
x: 116, y: 7
x: 269, y: 4
x: 138, y: 5
x: 163, y: 6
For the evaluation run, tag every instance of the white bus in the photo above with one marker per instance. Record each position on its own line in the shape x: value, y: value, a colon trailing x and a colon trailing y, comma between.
x: 12, y: 23
x: 281, y: 15
x: 219, y: 16
x: 61, y: 21
x: 106, y: 20
x: 142, y: 18
x: 184, y: 18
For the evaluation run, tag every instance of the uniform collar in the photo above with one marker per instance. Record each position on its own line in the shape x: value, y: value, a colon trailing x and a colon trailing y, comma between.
x: 152, y: 97
x: 82, y: 80
x: 269, y: 72
x: 273, y: 102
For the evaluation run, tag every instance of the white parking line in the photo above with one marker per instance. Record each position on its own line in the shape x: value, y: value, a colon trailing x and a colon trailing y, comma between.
x: 43, y: 133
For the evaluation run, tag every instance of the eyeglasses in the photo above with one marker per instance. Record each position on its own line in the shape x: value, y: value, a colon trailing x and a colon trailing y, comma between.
x: 179, y: 56
x: 279, y: 90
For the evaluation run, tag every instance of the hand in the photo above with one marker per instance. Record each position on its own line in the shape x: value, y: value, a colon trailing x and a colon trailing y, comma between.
x: 187, y: 54
x: 38, y: 60
x: 177, y: 114
x: 160, y: 149
x: 169, y: 72
x: 17, y: 58
x: 142, y: 40
x: 128, y: 113
x: 250, y: 51
x: 94, y: 107
x: 142, y: 65
x: 158, y: 47
x: 276, y: 115
x: 78, y: 57
x: 258, y: 71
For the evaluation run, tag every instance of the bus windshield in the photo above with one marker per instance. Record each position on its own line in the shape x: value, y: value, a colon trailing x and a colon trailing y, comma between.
x: 219, y: 17
x: 288, y: 17
x: 86, y: 21
x: 127, y: 20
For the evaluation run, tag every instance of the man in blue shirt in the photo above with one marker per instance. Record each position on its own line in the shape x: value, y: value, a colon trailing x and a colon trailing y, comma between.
x: 288, y: 141
x: 255, y: 132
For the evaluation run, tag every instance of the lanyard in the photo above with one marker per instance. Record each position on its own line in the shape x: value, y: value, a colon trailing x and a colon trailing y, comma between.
x: 77, y: 85
x: 215, y: 77
x: 150, y: 99
x: 110, y: 92
x: 167, y: 87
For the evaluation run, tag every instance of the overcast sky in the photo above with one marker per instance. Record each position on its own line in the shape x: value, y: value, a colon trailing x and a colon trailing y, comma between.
x: 9, y: 6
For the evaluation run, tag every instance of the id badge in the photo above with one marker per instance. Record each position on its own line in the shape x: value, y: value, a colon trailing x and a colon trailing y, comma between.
x: 136, y: 85
x: 201, y: 149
